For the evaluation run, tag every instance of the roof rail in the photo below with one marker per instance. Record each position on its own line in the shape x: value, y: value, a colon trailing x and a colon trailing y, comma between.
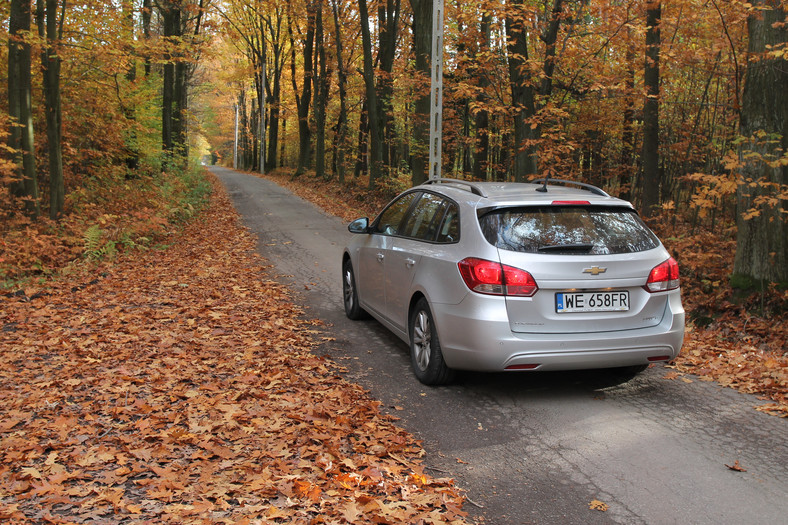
x: 473, y: 188
x: 583, y: 185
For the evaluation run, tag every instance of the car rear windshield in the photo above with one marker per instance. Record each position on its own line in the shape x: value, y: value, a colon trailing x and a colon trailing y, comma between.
x: 567, y: 230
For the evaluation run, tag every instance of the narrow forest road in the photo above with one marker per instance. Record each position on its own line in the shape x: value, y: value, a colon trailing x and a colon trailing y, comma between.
x: 533, y: 448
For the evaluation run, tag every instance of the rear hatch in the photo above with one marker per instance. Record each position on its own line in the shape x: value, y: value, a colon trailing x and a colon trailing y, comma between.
x: 590, y: 263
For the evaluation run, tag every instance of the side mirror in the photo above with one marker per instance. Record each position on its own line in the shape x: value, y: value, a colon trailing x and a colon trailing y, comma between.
x: 359, y: 226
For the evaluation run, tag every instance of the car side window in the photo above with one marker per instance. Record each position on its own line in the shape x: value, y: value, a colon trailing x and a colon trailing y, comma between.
x: 450, y: 227
x: 390, y: 220
x: 423, y: 222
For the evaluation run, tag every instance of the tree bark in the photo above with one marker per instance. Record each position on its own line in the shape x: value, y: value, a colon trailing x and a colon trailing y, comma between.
x: 303, y: 101
x: 320, y: 76
x: 342, y: 127
x: 762, y: 240
x: 21, y: 138
x: 274, y: 27
x: 388, y: 21
x: 51, y: 29
x: 651, y: 173
x: 375, y: 137
x: 422, y: 42
x: 482, y: 118
x: 147, y: 10
x: 171, y: 18
x: 523, y: 94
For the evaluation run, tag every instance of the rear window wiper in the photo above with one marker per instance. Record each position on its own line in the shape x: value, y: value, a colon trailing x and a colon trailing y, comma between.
x: 566, y: 248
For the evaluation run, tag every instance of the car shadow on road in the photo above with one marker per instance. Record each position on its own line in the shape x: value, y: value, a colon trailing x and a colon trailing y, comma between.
x: 551, y: 383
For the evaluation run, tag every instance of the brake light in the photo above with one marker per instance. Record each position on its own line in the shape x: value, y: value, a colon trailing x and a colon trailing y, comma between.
x: 664, y: 277
x: 570, y: 203
x: 492, y: 278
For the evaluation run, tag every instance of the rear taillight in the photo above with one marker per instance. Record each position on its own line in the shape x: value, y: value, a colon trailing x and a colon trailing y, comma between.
x: 492, y: 278
x: 664, y: 277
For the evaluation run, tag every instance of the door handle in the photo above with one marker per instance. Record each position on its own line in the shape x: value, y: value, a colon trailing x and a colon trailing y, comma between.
x: 409, y: 262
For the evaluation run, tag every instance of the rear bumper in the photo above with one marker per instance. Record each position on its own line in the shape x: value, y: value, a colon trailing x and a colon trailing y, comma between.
x: 476, y: 335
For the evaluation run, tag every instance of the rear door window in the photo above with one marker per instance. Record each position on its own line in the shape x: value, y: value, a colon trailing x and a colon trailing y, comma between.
x: 568, y: 230
x: 433, y: 219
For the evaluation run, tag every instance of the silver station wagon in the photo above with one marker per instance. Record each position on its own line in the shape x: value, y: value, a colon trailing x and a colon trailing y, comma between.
x: 550, y: 275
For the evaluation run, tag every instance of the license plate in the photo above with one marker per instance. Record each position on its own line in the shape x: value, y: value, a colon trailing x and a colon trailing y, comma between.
x: 570, y: 302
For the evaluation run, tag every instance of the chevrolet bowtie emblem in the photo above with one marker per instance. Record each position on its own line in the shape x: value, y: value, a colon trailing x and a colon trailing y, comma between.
x: 596, y: 270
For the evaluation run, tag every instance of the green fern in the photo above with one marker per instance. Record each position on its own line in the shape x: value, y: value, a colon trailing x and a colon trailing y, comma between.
x: 92, y: 238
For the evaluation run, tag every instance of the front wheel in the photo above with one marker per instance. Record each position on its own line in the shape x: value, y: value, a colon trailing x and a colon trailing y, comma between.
x: 350, y: 293
x: 425, y: 348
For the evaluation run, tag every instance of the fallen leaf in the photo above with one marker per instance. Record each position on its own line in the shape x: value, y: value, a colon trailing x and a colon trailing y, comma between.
x: 597, y: 505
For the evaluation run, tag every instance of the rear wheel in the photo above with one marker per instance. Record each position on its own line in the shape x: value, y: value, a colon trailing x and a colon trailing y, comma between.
x: 350, y: 293
x: 425, y: 349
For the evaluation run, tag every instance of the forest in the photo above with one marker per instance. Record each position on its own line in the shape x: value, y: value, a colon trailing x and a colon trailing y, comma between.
x: 151, y: 369
x: 112, y: 106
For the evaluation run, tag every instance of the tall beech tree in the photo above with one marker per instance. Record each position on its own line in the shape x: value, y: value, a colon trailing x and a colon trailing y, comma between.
x: 50, y: 15
x: 373, y: 116
x: 21, y: 136
x: 528, y: 93
x: 762, y: 238
x: 277, y: 57
x: 422, y: 46
x: 651, y: 170
x: 341, y: 134
x: 304, y: 99
x: 321, y: 76
x: 182, y: 24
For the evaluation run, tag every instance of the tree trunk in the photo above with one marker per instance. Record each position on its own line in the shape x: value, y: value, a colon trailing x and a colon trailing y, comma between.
x: 388, y: 21
x: 762, y: 238
x: 51, y: 30
x: 482, y: 119
x: 626, y: 172
x: 362, y: 159
x: 422, y: 42
x: 172, y: 27
x: 342, y: 127
x: 375, y: 137
x: 523, y: 96
x: 321, y: 93
x: 303, y: 101
x: 651, y: 173
x: 180, y: 98
x: 275, y: 91
x: 19, y: 107
x: 147, y: 10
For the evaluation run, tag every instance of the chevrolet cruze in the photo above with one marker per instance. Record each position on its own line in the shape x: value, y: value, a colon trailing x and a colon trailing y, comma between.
x: 550, y: 275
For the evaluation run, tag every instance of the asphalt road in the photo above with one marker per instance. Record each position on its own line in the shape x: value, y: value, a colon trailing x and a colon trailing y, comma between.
x: 538, y: 448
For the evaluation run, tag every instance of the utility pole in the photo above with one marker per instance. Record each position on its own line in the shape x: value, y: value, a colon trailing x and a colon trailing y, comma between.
x: 235, y: 141
x: 436, y: 91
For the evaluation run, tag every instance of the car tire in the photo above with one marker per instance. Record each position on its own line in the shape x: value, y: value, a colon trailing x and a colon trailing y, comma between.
x: 425, y: 350
x: 350, y: 293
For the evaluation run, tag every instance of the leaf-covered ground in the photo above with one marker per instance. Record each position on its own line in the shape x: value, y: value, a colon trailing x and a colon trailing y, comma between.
x: 740, y: 342
x: 178, y: 386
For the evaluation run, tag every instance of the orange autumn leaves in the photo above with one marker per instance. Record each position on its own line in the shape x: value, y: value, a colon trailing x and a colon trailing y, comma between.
x: 178, y: 387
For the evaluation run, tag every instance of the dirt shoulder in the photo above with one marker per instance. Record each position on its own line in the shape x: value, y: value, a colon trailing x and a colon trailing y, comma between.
x: 178, y: 386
